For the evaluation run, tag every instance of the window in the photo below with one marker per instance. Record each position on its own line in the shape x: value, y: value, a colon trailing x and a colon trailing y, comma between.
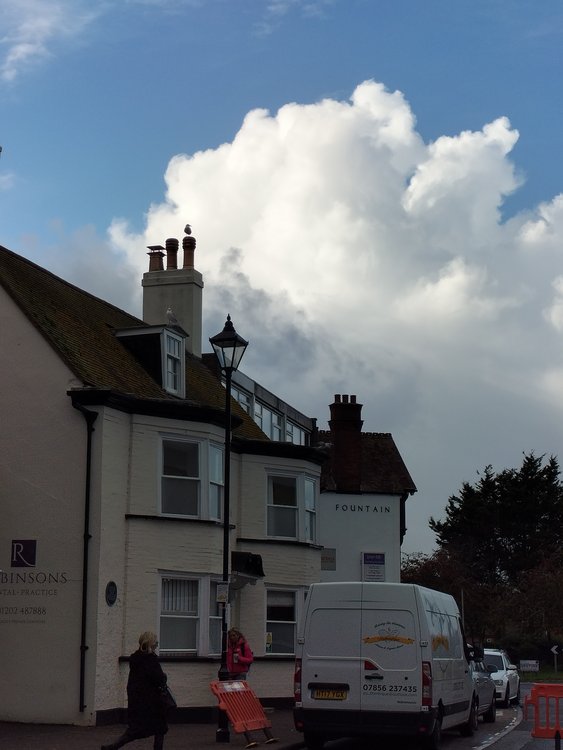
x: 174, y: 363
x: 276, y: 433
x: 258, y: 408
x: 215, y: 620
x: 281, y: 621
x: 291, y: 507
x: 215, y: 482
x: 179, y: 615
x: 180, y: 478
x: 282, y: 507
x: 190, y: 618
x: 270, y: 422
x: 295, y: 434
x: 192, y: 478
x: 310, y: 510
x: 242, y: 397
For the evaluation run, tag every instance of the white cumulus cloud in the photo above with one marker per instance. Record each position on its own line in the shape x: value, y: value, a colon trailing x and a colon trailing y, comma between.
x: 359, y: 259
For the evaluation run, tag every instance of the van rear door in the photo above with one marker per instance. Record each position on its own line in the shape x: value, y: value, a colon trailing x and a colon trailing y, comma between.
x: 330, y: 677
x: 391, y: 665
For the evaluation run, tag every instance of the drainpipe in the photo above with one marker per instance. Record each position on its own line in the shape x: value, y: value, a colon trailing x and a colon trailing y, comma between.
x: 90, y: 417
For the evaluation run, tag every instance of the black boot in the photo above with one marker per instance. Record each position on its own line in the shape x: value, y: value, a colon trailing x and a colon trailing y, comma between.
x: 158, y: 742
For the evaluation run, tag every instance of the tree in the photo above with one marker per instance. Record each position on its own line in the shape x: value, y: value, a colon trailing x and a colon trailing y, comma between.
x: 481, y: 604
x: 506, y: 523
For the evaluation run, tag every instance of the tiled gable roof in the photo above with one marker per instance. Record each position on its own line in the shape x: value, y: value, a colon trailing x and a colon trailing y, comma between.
x: 383, y: 470
x: 80, y: 328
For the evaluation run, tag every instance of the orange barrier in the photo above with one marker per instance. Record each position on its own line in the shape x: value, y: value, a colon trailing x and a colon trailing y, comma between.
x: 546, y: 701
x: 242, y: 707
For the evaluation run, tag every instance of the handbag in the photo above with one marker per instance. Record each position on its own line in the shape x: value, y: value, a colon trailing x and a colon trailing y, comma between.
x: 166, y: 698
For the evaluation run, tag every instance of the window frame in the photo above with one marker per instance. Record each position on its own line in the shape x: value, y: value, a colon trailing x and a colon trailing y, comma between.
x: 204, y: 639
x: 300, y: 596
x: 204, y: 478
x: 301, y: 511
x: 178, y: 358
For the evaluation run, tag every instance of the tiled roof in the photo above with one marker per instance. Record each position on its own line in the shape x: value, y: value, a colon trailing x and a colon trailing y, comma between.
x: 383, y: 470
x: 80, y: 328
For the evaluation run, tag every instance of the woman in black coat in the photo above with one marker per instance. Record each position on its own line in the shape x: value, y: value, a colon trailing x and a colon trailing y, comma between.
x: 146, y: 715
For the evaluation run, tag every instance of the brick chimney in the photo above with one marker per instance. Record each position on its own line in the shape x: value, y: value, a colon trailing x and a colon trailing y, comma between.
x: 346, y: 432
x: 180, y: 289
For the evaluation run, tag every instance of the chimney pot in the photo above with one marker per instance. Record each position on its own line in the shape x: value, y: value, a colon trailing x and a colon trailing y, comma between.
x: 337, y: 398
x: 188, y: 245
x: 172, y: 253
x: 155, y: 258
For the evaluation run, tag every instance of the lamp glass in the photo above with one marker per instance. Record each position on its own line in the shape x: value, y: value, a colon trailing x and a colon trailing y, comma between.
x: 228, y: 346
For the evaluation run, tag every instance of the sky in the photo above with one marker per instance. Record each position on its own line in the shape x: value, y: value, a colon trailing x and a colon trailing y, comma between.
x: 375, y: 186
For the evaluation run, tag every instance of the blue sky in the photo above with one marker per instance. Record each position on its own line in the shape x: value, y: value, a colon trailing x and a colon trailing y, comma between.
x: 378, y: 181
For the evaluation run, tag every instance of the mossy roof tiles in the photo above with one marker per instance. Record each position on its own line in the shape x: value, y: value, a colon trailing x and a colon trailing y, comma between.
x: 80, y: 328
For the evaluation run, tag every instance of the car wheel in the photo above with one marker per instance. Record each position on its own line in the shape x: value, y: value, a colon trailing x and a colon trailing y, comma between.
x: 470, y: 727
x: 506, y: 701
x: 313, y: 741
x: 516, y: 699
x: 434, y: 740
x: 491, y: 714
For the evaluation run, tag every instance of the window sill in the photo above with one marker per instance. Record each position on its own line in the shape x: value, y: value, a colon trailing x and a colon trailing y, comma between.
x: 177, y: 519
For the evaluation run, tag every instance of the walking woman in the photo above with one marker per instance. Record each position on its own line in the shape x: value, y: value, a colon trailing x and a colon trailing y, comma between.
x: 146, y: 715
x: 239, y: 655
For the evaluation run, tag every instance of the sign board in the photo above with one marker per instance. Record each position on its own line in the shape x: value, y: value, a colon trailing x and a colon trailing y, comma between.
x: 328, y: 558
x: 222, y: 593
x: 529, y: 665
x: 373, y: 566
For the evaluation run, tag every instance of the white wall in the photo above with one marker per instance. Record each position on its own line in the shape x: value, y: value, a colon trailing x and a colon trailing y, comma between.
x: 351, y: 524
x: 42, y: 462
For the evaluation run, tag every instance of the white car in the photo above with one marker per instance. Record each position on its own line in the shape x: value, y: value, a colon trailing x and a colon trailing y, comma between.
x: 484, y: 686
x: 505, y: 676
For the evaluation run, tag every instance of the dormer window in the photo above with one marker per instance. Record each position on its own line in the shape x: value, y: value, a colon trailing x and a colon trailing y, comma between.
x: 161, y: 350
x: 174, y: 363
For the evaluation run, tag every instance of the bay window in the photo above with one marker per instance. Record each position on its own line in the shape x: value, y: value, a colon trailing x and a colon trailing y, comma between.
x: 192, y: 478
x: 291, y: 507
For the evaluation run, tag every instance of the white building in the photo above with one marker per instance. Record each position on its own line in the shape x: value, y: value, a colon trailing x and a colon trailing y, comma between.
x: 111, y: 487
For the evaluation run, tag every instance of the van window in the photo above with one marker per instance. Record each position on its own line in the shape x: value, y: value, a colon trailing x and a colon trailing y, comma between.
x: 333, y: 632
x: 445, y: 634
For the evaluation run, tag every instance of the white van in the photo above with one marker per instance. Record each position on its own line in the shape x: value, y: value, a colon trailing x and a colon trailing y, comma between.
x: 382, y: 659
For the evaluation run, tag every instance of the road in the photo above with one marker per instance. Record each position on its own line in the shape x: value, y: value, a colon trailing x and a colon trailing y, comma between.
x: 509, y: 732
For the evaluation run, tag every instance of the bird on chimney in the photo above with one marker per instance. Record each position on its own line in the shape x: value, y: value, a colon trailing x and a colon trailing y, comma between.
x: 171, y: 317
x: 188, y: 229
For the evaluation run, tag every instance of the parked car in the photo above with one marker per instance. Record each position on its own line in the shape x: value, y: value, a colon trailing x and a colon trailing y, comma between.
x: 505, y: 676
x: 483, y: 686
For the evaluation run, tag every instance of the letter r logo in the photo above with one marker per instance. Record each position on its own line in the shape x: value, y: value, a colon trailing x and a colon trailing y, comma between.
x: 24, y: 552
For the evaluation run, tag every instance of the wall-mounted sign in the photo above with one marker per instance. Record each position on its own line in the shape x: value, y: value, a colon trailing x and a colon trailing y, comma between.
x: 222, y: 593
x: 373, y: 566
x: 328, y: 558
x: 29, y: 594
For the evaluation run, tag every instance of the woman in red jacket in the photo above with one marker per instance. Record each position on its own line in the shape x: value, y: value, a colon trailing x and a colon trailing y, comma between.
x: 239, y: 655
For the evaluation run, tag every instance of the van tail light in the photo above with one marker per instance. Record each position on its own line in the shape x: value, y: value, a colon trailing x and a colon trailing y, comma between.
x: 426, y: 684
x: 297, y: 681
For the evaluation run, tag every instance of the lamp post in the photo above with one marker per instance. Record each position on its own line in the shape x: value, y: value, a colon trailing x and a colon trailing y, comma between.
x: 229, y: 348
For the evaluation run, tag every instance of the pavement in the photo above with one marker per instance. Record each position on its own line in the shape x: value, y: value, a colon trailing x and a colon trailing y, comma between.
x: 192, y: 736
x: 14, y: 736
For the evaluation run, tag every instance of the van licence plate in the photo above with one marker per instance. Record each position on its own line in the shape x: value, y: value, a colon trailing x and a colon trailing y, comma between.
x: 324, y: 694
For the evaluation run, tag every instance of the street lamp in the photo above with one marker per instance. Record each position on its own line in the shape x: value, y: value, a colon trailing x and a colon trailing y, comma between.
x: 229, y: 348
